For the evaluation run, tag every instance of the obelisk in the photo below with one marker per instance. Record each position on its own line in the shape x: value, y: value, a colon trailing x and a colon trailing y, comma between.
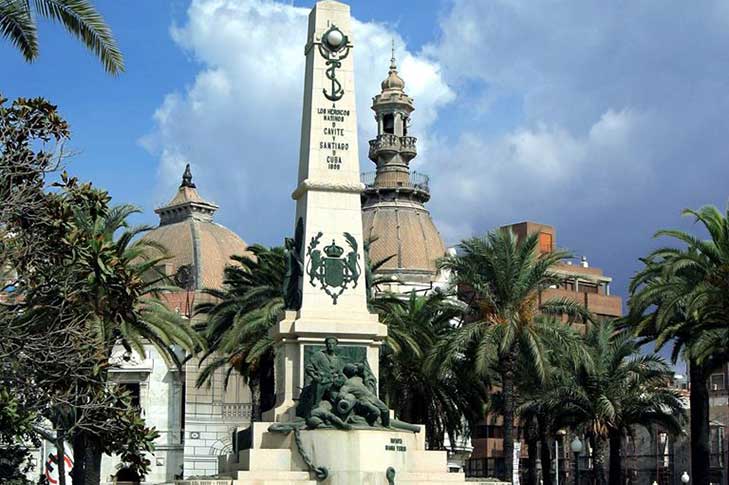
x: 332, y: 289
x: 328, y: 425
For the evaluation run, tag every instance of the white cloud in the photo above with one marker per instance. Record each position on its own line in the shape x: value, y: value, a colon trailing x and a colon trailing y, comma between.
x: 239, y: 121
x: 602, y: 118
x: 614, y: 119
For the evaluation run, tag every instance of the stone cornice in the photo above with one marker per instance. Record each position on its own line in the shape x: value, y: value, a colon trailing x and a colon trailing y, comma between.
x: 326, y: 186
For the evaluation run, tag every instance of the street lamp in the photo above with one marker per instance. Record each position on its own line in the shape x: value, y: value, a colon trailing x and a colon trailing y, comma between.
x: 576, y: 446
x: 685, y: 478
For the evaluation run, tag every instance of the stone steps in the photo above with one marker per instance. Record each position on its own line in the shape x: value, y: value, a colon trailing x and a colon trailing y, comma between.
x: 273, y: 478
x: 437, y: 478
x: 265, y: 459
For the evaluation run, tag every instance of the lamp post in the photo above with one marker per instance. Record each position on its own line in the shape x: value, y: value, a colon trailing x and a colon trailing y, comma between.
x: 685, y: 478
x: 560, y: 433
x: 576, y: 446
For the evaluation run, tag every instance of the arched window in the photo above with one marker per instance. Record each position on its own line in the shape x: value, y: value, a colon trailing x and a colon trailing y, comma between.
x: 388, y: 123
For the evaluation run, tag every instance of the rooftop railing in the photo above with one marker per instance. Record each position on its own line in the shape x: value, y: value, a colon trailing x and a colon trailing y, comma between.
x: 416, y: 181
x: 392, y: 143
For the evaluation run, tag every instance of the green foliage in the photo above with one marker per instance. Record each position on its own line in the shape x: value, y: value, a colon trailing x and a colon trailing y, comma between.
x: 79, y: 17
x: 610, y: 392
x: 681, y: 298
x: 80, y: 287
x: 438, y: 396
x: 239, y: 317
x: 135, y: 443
x: 16, y: 433
x: 682, y: 295
x: 500, y: 277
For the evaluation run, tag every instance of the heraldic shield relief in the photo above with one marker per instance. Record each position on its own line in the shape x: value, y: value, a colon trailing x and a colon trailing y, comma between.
x: 332, y: 269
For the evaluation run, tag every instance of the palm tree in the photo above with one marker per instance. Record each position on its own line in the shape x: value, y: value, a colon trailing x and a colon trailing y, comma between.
x: 79, y: 17
x: 122, y: 289
x: 420, y: 392
x: 503, y: 276
x: 534, y: 407
x: 651, y: 404
x: 613, y: 391
x: 681, y: 297
x: 115, y: 290
x: 238, y: 320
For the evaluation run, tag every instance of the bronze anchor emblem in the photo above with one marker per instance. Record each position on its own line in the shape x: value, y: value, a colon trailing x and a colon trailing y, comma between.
x: 334, y: 47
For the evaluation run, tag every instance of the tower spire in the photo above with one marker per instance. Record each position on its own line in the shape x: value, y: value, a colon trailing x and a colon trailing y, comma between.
x: 187, y: 178
x: 393, y: 63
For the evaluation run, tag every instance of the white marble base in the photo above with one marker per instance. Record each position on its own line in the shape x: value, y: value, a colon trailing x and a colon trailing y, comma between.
x: 357, y: 457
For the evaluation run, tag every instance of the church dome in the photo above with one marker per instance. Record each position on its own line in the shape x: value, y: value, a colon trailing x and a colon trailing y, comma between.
x: 408, y: 234
x: 199, y: 248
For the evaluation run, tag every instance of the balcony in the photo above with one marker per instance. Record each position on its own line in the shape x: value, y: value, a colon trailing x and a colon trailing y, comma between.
x: 415, y: 181
x: 596, y: 303
x: 389, y: 144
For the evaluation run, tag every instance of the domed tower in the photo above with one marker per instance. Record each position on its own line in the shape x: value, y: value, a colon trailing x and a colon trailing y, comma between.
x: 393, y: 210
x: 199, y: 248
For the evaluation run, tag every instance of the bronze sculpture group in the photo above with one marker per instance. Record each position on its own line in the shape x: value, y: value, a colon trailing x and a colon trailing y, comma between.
x: 340, y: 394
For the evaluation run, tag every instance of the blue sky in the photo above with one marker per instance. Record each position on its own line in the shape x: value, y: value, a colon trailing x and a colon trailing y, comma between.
x: 604, y: 119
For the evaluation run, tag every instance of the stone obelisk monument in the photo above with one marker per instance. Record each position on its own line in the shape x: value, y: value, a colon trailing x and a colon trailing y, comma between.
x: 328, y: 425
x: 332, y: 291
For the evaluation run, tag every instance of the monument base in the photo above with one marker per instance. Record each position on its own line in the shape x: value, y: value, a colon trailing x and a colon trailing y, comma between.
x: 355, y: 457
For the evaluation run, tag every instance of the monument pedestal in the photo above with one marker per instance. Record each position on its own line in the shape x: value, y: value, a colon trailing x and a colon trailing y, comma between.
x: 355, y: 457
x: 294, y: 334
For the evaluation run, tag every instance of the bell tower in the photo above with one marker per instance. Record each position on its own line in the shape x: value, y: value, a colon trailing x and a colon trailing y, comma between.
x: 394, y: 216
x: 393, y: 149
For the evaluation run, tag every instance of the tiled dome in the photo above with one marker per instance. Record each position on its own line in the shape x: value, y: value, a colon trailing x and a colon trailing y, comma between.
x: 200, y: 249
x: 407, y: 233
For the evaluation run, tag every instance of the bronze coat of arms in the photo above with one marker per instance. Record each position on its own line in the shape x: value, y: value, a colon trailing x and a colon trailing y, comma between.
x: 330, y: 268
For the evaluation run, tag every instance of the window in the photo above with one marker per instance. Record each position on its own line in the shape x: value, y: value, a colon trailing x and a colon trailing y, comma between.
x: 388, y: 123
x: 480, y: 431
x: 587, y: 288
x: 716, y: 382
x: 133, y: 389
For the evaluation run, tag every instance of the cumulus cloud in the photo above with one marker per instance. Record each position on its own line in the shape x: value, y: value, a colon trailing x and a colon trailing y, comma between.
x: 604, y: 119
x: 614, y: 120
x: 238, y: 123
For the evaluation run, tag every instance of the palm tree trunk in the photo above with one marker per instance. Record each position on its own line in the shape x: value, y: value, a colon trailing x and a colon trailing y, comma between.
x: 545, y: 453
x: 532, y: 442
x: 699, y: 402
x: 507, y: 381
x: 598, y: 460
x: 254, y: 385
x: 615, y: 472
